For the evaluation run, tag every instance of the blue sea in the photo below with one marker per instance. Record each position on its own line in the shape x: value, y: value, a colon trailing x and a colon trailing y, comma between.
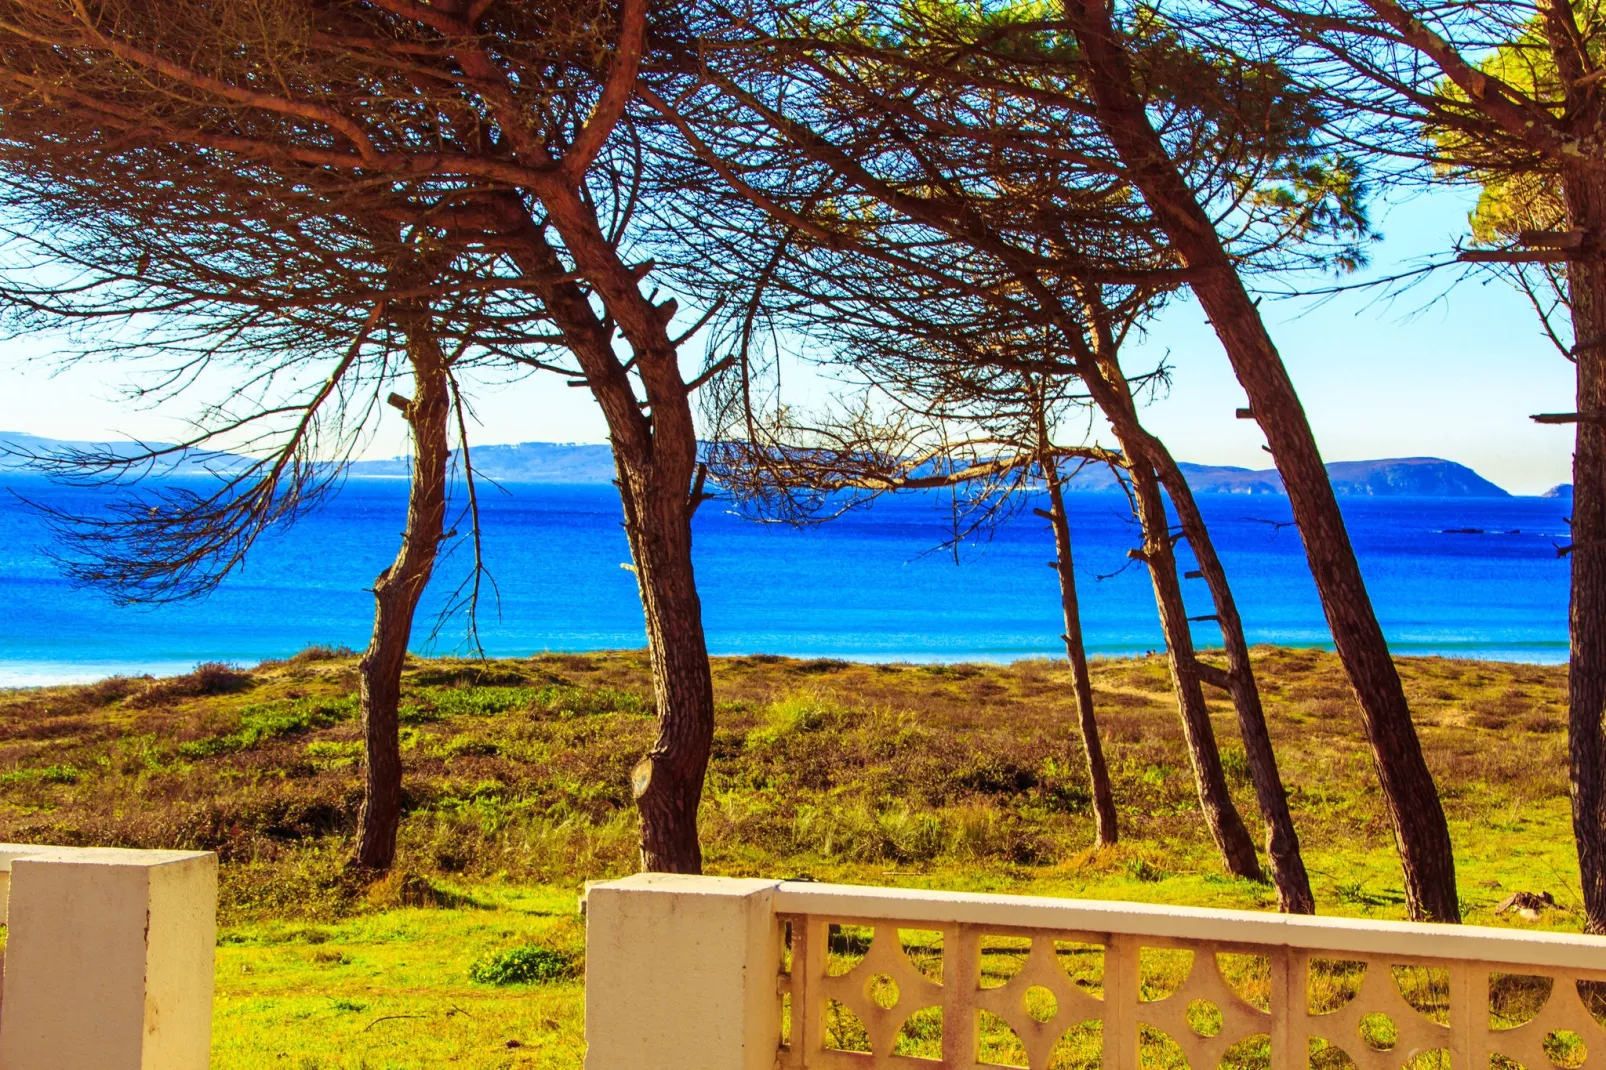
x: 1458, y: 577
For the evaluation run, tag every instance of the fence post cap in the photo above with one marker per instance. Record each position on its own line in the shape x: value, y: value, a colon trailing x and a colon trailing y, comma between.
x: 94, y: 856
x: 684, y: 884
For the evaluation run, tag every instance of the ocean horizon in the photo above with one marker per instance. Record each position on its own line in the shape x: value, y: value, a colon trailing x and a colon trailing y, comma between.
x: 1456, y: 577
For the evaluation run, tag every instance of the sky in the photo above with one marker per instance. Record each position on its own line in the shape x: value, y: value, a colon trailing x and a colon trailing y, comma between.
x: 1440, y: 371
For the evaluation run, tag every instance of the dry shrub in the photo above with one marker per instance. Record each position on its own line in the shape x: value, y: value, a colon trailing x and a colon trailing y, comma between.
x: 572, y: 662
x: 1034, y: 670
x: 1329, y: 709
x: 46, y: 713
x: 820, y: 665
x: 403, y: 888
x: 478, y: 674
x: 1122, y: 729
x: 1122, y: 700
x: 208, y: 678
x: 312, y: 655
x: 1321, y: 692
x: 77, y: 728
x: 110, y: 690
x: 320, y: 652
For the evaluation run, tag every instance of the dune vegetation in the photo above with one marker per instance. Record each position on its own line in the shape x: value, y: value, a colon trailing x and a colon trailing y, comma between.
x: 952, y: 776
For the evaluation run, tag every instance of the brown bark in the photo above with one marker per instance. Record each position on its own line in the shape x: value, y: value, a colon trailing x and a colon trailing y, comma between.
x: 1099, y: 370
x: 654, y: 439
x: 1567, y: 139
x: 1585, y: 188
x: 1111, y: 387
x: 396, y: 594
x: 1288, y: 874
x: 668, y: 782
x: 1106, y: 829
x: 656, y: 460
x: 1215, y: 799
x: 1409, y: 793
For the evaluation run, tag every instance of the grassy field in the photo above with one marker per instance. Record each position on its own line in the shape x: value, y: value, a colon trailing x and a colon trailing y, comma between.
x: 958, y: 776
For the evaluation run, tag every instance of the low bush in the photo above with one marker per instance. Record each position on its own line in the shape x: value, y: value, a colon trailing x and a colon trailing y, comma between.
x: 568, y: 702
x: 52, y: 774
x: 208, y: 678
x: 796, y: 714
x: 527, y: 965
x: 319, y: 652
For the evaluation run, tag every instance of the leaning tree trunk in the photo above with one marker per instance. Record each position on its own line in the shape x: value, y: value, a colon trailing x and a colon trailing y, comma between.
x: 1106, y: 830
x: 1410, y: 795
x: 1100, y: 373
x: 668, y: 782
x: 1221, y: 816
x: 655, y: 457
x: 1586, y: 668
x: 396, y: 594
x: 1282, y: 841
x: 1294, y: 895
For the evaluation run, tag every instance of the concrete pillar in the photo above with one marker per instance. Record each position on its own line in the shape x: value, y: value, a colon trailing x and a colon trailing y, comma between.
x: 681, y: 974
x: 109, y: 959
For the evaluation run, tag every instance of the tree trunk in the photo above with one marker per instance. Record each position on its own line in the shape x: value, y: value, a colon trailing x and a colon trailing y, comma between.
x: 1106, y: 830
x: 1294, y: 895
x: 1585, y: 189
x: 1282, y: 841
x: 668, y: 782
x: 1100, y: 371
x: 396, y: 594
x: 655, y: 457
x: 1221, y: 816
x: 1409, y: 793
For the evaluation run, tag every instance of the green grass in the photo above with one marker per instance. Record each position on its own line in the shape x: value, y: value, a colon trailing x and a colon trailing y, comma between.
x: 265, y: 721
x: 393, y: 988
x: 960, y: 776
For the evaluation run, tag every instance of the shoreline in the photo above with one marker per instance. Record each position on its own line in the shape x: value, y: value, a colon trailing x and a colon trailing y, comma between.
x: 22, y: 674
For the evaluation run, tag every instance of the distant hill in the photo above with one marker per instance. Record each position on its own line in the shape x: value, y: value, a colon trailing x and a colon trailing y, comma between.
x: 588, y: 463
x: 1226, y: 479
x: 1418, y: 476
x: 1560, y: 490
x: 196, y: 462
x: 524, y: 462
x: 1427, y: 477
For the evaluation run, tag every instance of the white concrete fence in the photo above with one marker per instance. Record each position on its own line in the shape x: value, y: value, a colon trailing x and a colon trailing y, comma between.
x: 704, y: 973
x: 108, y: 958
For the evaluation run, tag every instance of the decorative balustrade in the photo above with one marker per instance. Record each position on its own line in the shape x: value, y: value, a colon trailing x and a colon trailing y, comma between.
x: 108, y: 958
x: 717, y: 974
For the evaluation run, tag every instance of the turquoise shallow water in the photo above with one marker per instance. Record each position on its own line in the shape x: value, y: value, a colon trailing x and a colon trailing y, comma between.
x: 1461, y: 577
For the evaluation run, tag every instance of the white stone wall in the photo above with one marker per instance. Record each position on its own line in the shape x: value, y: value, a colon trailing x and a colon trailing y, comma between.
x: 109, y: 958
